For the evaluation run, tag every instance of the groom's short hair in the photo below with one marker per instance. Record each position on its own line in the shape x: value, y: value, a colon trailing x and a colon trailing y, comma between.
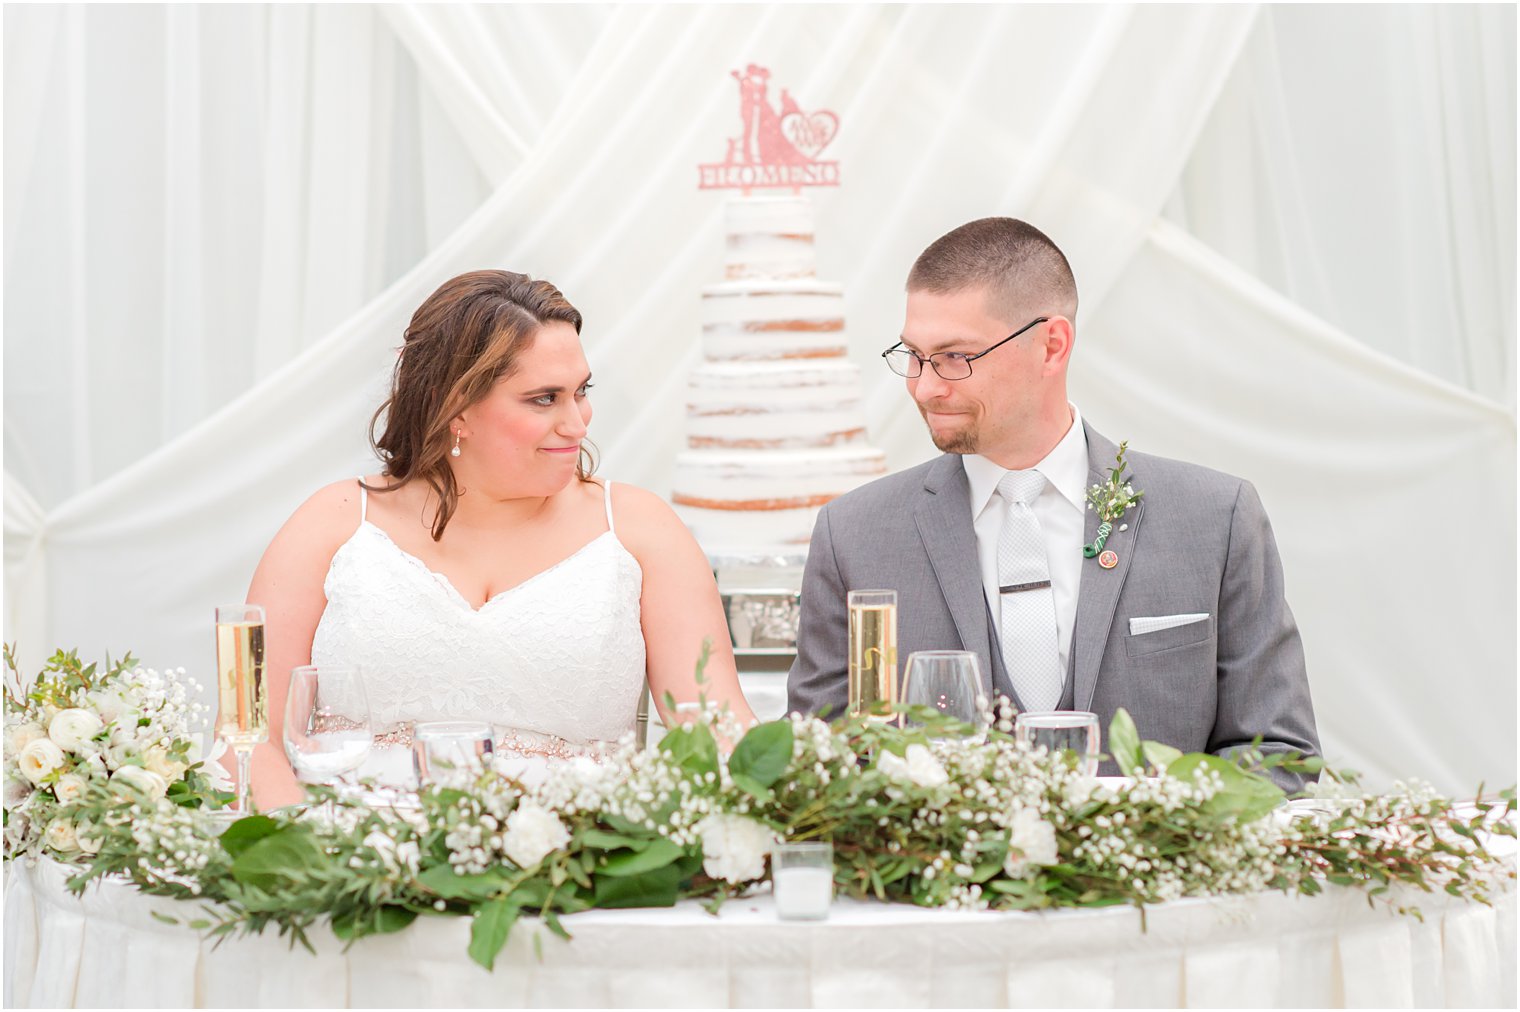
x: 1018, y: 265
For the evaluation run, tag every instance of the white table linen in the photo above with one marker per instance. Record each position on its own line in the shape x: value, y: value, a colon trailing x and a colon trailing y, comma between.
x: 106, y: 949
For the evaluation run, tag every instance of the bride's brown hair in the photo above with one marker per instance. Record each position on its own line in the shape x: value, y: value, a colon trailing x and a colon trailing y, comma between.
x: 462, y: 339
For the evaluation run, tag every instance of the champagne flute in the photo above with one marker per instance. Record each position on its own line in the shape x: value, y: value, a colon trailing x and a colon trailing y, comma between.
x: 873, y: 652
x: 945, y: 680
x: 242, y: 709
x: 327, y: 724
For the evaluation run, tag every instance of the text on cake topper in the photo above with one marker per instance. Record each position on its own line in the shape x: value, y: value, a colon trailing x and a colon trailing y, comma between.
x: 773, y: 149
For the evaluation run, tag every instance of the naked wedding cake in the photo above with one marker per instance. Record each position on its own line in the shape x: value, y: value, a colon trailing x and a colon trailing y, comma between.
x: 774, y: 422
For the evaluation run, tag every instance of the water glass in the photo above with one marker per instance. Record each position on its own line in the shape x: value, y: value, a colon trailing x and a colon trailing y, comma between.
x: 1063, y: 730
x: 946, y: 680
x: 802, y: 877
x: 327, y: 726
x: 441, y: 746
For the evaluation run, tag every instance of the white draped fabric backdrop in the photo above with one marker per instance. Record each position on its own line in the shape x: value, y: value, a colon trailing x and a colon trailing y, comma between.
x: 1293, y: 228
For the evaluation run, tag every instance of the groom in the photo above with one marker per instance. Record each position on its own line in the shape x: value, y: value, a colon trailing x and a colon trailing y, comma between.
x: 1180, y: 618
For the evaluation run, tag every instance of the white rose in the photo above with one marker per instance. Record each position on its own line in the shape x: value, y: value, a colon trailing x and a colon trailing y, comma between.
x: 71, y: 729
x: 70, y: 787
x: 734, y: 847
x: 40, y: 758
x: 60, y: 836
x: 19, y: 736
x: 141, y: 780
x: 157, y: 759
x: 1031, y: 841
x: 533, y: 833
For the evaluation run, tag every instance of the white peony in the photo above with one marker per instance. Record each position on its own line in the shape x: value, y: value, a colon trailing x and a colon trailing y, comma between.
x: 39, y: 758
x: 141, y: 780
x: 70, y: 787
x: 19, y: 736
x: 734, y: 847
x: 533, y: 833
x: 72, y: 729
x: 1031, y: 841
x: 60, y: 836
x: 157, y: 759
x: 918, y: 767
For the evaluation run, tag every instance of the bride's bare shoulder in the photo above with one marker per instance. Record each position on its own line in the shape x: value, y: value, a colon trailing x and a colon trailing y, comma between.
x: 641, y: 517
x: 327, y: 517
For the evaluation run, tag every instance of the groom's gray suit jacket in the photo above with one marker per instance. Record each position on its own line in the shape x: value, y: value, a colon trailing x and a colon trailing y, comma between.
x: 1197, y: 542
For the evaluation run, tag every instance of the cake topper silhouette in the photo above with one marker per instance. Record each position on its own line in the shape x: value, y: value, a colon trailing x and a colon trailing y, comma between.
x: 774, y: 148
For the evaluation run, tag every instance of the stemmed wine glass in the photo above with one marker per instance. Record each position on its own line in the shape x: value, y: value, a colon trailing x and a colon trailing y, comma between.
x: 327, y: 723
x: 945, y: 680
x: 242, y: 710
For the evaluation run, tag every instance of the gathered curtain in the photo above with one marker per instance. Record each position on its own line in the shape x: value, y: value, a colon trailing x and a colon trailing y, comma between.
x: 1298, y: 270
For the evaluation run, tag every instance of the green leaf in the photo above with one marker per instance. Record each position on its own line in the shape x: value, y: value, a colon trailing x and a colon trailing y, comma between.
x: 656, y: 853
x: 442, y: 879
x: 691, y: 747
x: 163, y: 917
x: 754, y: 788
x: 763, y: 754
x: 607, y: 841
x: 1159, y: 755
x: 1124, y: 743
x: 245, y: 832
x: 1244, y: 796
x: 489, y: 929
x: 653, y: 889
x: 280, y: 857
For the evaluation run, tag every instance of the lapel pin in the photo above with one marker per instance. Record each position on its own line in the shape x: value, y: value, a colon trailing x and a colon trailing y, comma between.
x: 1108, y: 560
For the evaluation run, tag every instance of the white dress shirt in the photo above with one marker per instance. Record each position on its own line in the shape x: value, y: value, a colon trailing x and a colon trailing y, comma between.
x: 1060, y: 511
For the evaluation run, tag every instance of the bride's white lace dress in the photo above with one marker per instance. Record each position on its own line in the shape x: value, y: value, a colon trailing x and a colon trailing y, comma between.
x: 554, y: 664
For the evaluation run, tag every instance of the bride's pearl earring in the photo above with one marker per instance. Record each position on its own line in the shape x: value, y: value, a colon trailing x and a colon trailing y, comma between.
x: 455, y: 451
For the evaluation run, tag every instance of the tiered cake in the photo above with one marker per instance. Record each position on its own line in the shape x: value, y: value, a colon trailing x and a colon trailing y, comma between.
x: 774, y: 423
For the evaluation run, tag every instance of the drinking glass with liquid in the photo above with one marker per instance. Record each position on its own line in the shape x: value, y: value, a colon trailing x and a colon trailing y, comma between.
x: 873, y: 652
x: 242, y: 707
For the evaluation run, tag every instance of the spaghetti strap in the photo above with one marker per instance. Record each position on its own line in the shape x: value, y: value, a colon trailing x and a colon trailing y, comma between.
x: 363, y: 499
x: 607, y: 496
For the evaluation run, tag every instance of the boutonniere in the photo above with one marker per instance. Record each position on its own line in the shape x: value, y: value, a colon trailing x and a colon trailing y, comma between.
x: 1110, y: 500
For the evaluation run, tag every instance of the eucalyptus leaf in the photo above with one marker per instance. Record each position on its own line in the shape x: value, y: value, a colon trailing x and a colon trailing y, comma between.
x: 692, y: 747
x: 1244, y: 796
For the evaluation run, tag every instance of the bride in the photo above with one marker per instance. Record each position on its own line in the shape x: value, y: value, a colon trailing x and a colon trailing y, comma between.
x: 484, y: 573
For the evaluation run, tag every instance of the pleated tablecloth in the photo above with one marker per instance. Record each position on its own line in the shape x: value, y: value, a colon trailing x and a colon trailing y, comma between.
x: 106, y: 949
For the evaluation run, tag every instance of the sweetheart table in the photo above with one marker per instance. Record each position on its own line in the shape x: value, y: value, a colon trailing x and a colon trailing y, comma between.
x: 107, y: 949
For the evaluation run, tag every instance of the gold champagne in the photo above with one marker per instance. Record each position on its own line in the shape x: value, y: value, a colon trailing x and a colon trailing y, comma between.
x: 243, y: 718
x: 873, y: 658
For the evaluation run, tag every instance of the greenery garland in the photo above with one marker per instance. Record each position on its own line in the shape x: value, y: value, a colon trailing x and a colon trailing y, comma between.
x: 935, y: 814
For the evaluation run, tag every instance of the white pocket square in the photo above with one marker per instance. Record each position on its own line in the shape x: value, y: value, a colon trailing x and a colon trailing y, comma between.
x: 1141, y: 626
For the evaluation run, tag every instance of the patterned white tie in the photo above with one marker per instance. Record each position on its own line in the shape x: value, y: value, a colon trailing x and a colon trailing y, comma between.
x: 1028, y: 603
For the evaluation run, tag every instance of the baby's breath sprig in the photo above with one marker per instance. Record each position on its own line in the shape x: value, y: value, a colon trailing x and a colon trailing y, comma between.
x: 1109, y: 500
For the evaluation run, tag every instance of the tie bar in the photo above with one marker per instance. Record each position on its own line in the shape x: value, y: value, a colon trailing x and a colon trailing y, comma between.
x: 1017, y: 587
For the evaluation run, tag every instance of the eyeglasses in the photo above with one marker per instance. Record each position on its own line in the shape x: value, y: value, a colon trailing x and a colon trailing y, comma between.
x: 950, y: 365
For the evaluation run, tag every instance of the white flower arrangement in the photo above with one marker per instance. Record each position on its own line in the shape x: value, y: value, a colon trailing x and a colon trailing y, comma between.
x: 75, y: 729
x: 915, y: 815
